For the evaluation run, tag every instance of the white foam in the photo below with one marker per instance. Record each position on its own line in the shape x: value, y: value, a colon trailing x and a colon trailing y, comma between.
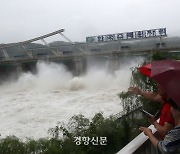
x: 36, y: 102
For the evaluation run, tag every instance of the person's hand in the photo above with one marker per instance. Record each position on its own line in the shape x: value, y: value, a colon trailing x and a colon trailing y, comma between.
x: 135, y: 90
x: 146, y: 130
x: 152, y: 120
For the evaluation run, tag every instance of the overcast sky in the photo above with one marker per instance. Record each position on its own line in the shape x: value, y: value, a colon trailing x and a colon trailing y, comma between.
x: 25, y: 19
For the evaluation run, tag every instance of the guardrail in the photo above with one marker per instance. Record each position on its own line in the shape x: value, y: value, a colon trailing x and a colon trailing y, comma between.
x: 140, y: 145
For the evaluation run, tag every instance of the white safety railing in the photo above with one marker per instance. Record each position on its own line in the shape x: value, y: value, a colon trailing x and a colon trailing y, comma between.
x: 137, y: 143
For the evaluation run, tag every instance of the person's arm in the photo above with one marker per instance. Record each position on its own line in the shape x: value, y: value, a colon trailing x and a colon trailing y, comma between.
x: 149, y: 133
x: 163, y: 130
x: 152, y: 96
x: 149, y: 95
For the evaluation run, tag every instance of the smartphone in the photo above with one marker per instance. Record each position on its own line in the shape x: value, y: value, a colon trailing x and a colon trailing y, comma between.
x: 147, y: 113
x: 157, y: 114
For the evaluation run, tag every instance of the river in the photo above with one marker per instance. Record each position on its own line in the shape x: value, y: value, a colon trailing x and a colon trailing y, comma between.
x: 34, y: 103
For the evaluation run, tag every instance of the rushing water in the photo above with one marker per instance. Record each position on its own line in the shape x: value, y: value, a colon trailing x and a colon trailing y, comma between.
x: 34, y: 103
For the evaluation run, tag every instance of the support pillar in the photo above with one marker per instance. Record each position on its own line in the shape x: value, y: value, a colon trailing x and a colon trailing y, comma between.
x: 78, y: 66
x: 18, y: 69
x: 113, y: 63
x: 160, y: 45
x: 119, y: 43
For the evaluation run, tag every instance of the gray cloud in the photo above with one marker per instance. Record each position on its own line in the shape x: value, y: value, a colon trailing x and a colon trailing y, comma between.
x: 24, y: 19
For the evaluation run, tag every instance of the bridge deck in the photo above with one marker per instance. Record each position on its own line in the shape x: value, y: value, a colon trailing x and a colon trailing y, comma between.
x: 87, y: 54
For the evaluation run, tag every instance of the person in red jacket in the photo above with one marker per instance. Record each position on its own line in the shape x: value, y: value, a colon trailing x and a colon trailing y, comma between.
x: 166, y: 121
x: 171, y: 142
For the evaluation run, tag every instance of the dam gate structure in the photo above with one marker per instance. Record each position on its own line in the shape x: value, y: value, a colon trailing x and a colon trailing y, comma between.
x: 23, y: 56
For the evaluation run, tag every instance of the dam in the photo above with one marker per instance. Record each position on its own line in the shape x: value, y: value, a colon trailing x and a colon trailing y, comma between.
x: 23, y: 56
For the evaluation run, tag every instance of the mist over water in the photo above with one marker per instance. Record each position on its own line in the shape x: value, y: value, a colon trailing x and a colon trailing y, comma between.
x: 36, y: 102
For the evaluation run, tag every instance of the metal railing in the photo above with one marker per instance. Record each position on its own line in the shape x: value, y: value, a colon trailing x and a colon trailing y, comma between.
x: 140, y: 145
